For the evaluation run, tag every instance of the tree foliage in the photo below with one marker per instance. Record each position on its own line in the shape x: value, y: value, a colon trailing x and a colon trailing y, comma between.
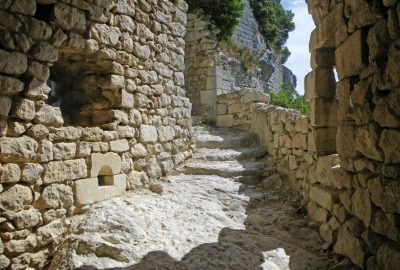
x: 226, y: 14
x: 291, y: 100
x: 274, y: 21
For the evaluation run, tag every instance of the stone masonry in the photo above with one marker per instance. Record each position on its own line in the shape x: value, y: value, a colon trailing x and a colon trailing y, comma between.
x: 91, y: 105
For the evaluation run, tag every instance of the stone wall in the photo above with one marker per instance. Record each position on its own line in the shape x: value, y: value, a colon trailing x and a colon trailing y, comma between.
x: 235, y: 109
x: 91, y: 104
x: 360, y: 39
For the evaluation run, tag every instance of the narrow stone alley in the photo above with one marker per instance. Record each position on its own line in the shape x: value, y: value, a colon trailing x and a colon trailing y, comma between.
x: 216, y: 212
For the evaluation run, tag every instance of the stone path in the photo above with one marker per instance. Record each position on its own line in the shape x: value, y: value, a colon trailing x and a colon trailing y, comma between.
x: 206, y: 218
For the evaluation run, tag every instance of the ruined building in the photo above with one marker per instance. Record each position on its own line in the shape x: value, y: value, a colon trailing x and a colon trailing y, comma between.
x: 96, y: 99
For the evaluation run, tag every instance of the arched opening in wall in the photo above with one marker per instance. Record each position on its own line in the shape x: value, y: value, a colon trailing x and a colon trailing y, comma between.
x: 105, y: 177
x: 74, y: 89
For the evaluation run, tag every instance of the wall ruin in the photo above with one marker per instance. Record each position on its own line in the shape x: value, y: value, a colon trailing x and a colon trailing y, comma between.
x: 91, y: 104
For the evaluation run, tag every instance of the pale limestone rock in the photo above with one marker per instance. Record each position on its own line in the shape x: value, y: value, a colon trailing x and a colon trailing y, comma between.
x: 12, y: 63
x: 139, y: 151
x: 389, y: 142
x: 45, y: 151
x: 167, y: 166
x: 39, y: 30
x: 388, y: 256
x: 5, y: 105
x: 166, y: 133
x: 21, y: 149
x: 105, y: 164
x: 125, y: 7
x: 64, y: 151
x: 26, y: 7
x: 385, y: 193
x: 49, y: 116
x: 10, y: 86
x: 4, y: 262
x: 21, y: 246
x: 56, y: 196
x: 105, y: 34
x: 31, y: 173
x: 153, y: 169
x: 26, y: 218
x: 37, y: 89
x: 143, y: 52
x: 25, y: 109
x: 225, y: 120
x: 70, y: 18
x: 386, y: 224
x: 59, y: 171
x: 361, y: 206
x: 89, y: 191
x: 148, y: 134
x: 316, y: 212
x: 367, y: 142
x: 119, y: 146
x: 44, y: 51
x: 10, y: 173
x: 49, y: 233
x: 15, y: 198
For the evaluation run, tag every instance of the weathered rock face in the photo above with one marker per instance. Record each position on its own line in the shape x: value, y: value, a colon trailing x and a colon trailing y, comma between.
x: 81, y: 84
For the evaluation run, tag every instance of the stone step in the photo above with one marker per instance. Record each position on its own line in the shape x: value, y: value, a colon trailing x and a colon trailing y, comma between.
x: 210, y: 137
x: 230, y: 154
x: 227, y: 169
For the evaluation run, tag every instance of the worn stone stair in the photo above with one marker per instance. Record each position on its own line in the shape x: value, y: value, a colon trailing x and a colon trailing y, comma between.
x: 227, y: 153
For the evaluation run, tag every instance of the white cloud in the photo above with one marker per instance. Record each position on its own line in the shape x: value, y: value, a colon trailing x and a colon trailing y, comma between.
x: 299, y: 61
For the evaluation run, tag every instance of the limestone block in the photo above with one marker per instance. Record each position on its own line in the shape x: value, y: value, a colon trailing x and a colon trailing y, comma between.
x: 64, y: 151
x: 45, y: 151
x: 5, y: 105
x: 10, y: 173
x: 15, y: 247
x: 31, y: 173
x: 141, y: 51
x: 386, y: 224
x: 302, y: 125
x: 300, y: 141
x: 39, y: 30
x: 389, y: 142
x: 21, y: 149
x: 65, y: 134
x: 326, y: 233
x: 255, y: 96
x: 55, y: 196
x: 323, y: 140
x: 49, y: 233
x: 323, y: 58
x: 316, y: 212
x: 338, y: 177
x: 88, y: 191
x: 25, y: 109
x: 139, y: 151
x: 388, y: 256
x: 352, y: 49
x: 320, y: 83
x: 361, y: 206
x: 385, y: 194
x: 26, y: 218
x: 15, y: 198
x: 324, y: 196
x: 105, y: 164
x: 166, y: 133
x: 125, y: 7
x: 222, y: 108
x: 119, y: 146
x: 207, y: 97
x: 26, y: 7
x: 235, y: 108
x: 60, y: 171
x: 152, y: 168
x: 12, y: 63
x: 167, y: 166
x: 225, y: 121
x: 361, y: 12
x: 367, y: 142
x: 105, y: 34
x: 324, y: 112
x: 10, y: 86
x: 37, y: 90
x: 43, y: 51
x: 148, y: 134
x: 351, y: 246
x: 70, y: 18
x: 49, y: 116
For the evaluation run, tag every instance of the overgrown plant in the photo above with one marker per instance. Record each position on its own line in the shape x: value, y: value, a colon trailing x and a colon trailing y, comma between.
x: 225, y: 14
x: 291, y: 100
x: 274, y: 23
x: 248, y: 60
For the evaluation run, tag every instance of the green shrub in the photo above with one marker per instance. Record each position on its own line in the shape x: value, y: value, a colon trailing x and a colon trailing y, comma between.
x: 285, y: 53
x: 226, y: 14
x: 274, y: 23
x: 291, y: 100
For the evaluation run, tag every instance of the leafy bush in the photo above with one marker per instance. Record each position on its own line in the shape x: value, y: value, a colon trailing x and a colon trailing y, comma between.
x: 291, y: 100
x: 285, y: 53
x: 248, y: 60
x: 274, y: 21
x: 226, y: 14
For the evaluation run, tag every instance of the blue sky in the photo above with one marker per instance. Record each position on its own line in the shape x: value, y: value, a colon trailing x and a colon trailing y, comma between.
x: 299, y: 61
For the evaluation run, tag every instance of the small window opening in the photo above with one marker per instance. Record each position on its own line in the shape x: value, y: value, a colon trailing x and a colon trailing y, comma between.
x: 105, y: 180
x: 44, y: 12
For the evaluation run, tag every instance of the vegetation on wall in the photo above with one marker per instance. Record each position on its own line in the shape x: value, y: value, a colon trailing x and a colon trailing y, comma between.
x: 291, y: 100
x: 248, y: 60
x: 274, y: 23
x: 226, y: 14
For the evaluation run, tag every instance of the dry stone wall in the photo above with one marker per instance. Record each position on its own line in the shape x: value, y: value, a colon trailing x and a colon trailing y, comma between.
x: 91, y: 104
